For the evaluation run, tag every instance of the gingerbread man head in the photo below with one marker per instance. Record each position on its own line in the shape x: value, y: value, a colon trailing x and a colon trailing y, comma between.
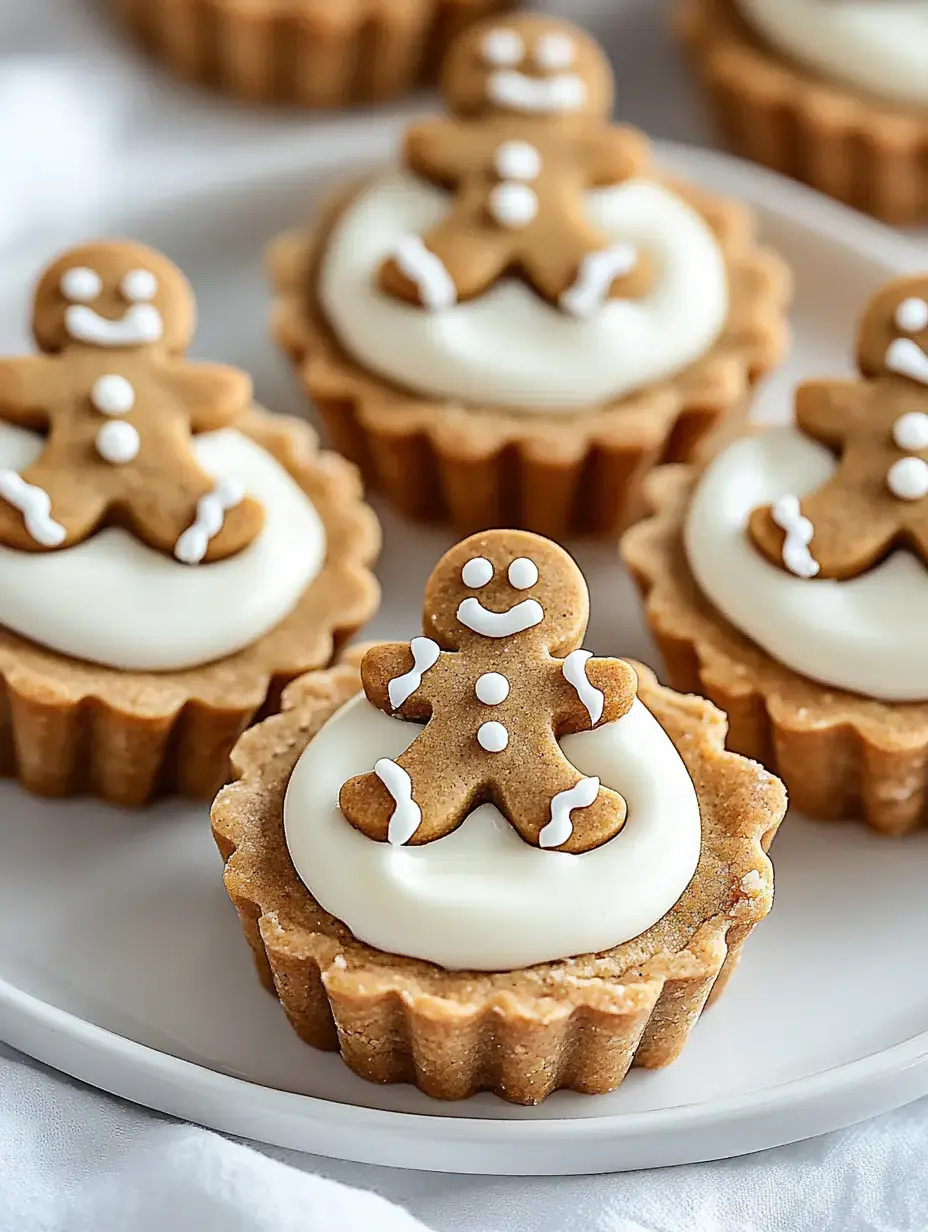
x: 529, y: 65
x: 515, y: 586
x: 893, y: 335
x: 113, y: 296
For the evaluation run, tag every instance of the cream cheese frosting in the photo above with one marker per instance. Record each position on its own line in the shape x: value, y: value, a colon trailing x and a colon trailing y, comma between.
x: 509, y: 347
x: 881, y: 48
x: 114, y: 601
x: 481, y: 898
x: 865, y: 634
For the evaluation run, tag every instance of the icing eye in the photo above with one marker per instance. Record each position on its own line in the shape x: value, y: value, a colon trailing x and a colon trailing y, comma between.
x: 523, y: 573
x: 912, y: 315
x: 503, y: 48
x: 477, y: 572
x: 555, y: 51
x: 80, y: 285
x: 138, y: 286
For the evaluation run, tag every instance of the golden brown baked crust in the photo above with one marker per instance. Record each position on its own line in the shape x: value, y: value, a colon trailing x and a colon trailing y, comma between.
x: 864, y: 151
x: 486, y: 466
x: 840, y: 754
x: 68, y: 727
x: 578, y: 1023
x: 311, y: 53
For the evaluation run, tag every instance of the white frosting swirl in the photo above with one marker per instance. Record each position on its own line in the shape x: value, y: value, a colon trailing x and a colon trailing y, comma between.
x: 880, y: 47
x: 481, y: 899
x: 113, y: 601
x: 508, y: 347
x: 866, y: 634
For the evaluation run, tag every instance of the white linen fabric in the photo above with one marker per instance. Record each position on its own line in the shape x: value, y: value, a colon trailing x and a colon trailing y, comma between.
x: 82, y: 120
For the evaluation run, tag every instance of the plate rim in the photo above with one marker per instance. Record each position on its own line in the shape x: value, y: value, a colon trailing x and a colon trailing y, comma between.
x: 860, y: 1087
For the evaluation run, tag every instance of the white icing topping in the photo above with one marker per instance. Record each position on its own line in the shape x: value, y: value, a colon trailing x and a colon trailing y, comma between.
x: 912, y: 315
x: 560, y: 827
x: 513, y: 205
x: 211, y: 512
x: 492, y: 688
x: 139, y: 286
x: 537, y: 95
x: 517, y: 160
x: 865, y: 634
x: 478, y: 619
x: 112, y: 395
x: 425, y: 654
x: 112, y: 600
x: 502, y: 47
x: 35, y: 505
x: 427, y: 271
x: 799, y: 534
x: 118, y: 442
x: 507, y: 346
x: 907, y: 358
x: 910, y: 431
x: 481, y: 898
x: 575, y: 674
x: 492, y: 737
x: 598, y: 270
x: 81, y: 285
x: 477, y: 572
x: 907, y: 479
x: 407, y: 815
x: 879, y: 47
x: 523, y: 573
x: 141, y: 324
x: 555, y: 51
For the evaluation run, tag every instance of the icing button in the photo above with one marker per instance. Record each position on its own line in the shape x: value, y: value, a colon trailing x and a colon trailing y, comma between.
x: 118, y: 442
x: 112, y: 395
x: 912, y: 315
x: 492, y: 688
x: 492, y: 737
x: 910, y: 431
x: 513, y: 205
x: 517, y: 160
x: 908, y: 479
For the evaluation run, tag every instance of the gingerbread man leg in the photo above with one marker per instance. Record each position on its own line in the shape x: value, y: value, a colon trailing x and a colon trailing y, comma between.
x: 557, y: 807
x: 450, y: 263
x: 403, y: 801
x: 836, y: 532
x: 576, y: 272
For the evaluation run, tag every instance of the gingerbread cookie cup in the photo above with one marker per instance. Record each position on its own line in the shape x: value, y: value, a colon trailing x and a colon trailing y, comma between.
x: 516, y: 323
x: 127, y: 668
x: 310, y: 53
x: 461, y: 990
x: 834, y: 96
x: 787, y: 581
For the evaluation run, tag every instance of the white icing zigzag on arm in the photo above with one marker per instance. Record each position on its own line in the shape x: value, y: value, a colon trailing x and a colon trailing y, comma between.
x: 35, y: 505
x: 560, y: 827
x: 474, y: 616
x: 575, y: 674
x: 407, y: 815
x: 425, y: 654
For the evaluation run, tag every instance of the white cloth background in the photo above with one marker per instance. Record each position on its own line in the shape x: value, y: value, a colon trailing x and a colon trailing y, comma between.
x: 83, y: 119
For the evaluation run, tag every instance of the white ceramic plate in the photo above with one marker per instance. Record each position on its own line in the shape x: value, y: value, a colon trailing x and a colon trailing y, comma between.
x: 121, y: 960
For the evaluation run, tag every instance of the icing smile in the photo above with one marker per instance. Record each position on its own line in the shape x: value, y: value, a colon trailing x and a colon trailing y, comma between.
x: 538, y: 95
x: 525, y: 615
x: 140, y: 325
x: 908, y: 359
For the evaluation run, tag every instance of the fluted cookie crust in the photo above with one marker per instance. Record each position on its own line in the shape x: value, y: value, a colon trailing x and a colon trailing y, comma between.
x: 578, y: 1023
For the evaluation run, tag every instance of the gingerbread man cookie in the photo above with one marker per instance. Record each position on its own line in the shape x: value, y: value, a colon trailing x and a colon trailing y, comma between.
x: 119, y: 402
x: 877, y: 499
x: 497, y: 678
x: 528, y: 139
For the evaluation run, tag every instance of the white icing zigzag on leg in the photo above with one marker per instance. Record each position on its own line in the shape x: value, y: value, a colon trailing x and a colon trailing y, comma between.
x: 560, y: 827
x: 799, y: 534
x: 597, y: 273
x: 35, y: 505
x: 407, y: 815
x: 575, y: 674
x: 427, y: 271
x: 425, y: 655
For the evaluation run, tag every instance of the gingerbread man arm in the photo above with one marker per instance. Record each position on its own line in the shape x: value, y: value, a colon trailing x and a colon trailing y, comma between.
x: 826, y: 410
x: 213, y: 395
x: 437, y: 150
x: 591, y: 691
x: 395, y: 676
x: 24, y: 384
x: 612, y: 155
